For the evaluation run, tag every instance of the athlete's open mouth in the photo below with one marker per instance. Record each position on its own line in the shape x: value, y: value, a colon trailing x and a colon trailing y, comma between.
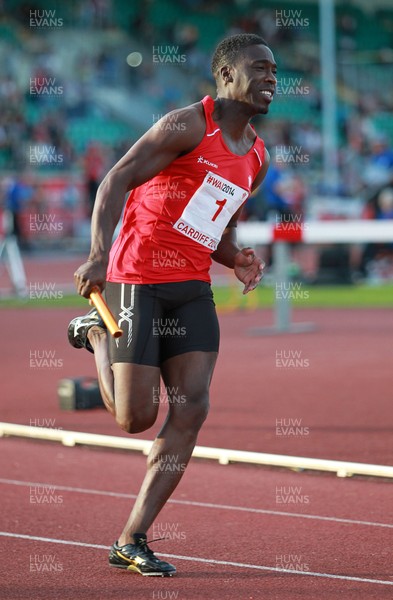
x: 267, y: 93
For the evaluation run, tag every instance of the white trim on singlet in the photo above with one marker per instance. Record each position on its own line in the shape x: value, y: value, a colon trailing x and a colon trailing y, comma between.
x: 215, y: 131
x: 259, y: 158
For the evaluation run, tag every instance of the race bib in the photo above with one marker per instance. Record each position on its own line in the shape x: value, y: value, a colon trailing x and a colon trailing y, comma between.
x: 209, y: 210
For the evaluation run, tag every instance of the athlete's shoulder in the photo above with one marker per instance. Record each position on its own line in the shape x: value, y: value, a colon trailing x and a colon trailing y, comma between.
x: 183, y: 128
x: 190, y: 118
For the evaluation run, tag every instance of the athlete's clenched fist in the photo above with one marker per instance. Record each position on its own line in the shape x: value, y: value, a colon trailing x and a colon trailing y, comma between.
x: 92, y: 274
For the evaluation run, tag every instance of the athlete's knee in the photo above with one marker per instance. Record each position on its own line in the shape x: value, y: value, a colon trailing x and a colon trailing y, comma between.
x: 136, y: 423
x: 200, y: 411
x: 192, y: 414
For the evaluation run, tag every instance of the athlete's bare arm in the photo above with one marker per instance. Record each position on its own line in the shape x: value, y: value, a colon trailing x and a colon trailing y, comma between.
x: 248, y: 267
x: 154, y: 151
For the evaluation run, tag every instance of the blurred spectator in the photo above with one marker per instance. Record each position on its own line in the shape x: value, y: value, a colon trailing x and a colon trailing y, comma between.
x: 94, y: 170
x: 378, y: 169
x: 346, y: 28
x: 293, y: 191
x: 70, y: 202
x: 17, y: 194
x: 376, y: 256
x: 106, y: 67
x: 385, y: 204
x: 273, y: 192
x: 95, y: 13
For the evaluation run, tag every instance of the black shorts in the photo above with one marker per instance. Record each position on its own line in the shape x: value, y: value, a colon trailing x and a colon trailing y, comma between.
x: 161, y: 320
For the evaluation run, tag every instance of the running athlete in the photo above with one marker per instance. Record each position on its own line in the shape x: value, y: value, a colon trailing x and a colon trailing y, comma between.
x: 187, y: 185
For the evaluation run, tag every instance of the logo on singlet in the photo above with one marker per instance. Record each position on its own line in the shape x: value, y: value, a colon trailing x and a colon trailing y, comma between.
x: 206, y: 162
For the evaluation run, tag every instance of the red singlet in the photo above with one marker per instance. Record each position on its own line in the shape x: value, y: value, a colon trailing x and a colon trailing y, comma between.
x: 174, y: 221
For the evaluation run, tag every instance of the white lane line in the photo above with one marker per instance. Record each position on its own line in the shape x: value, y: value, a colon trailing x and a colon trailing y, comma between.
x: 261, y: 511
x: 226, y: 563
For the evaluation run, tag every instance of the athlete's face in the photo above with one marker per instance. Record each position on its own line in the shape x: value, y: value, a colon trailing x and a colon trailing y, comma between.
x: 254, y: 78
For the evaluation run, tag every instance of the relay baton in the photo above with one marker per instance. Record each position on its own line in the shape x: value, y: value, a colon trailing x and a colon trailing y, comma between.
x: 105, y: 313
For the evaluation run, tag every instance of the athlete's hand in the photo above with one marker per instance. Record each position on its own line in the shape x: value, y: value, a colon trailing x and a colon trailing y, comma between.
x: 90, y: 275
x: 248, y: 269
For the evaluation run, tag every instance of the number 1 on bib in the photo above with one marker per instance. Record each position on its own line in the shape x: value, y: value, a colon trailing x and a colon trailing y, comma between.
x: 221, y: 204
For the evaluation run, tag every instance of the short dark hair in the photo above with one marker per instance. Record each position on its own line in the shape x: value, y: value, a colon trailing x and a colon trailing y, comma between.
x: 228, y: 49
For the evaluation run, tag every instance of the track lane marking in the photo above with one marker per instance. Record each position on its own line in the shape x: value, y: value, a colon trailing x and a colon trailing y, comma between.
x: 35, y: 538
x: 262, y: 511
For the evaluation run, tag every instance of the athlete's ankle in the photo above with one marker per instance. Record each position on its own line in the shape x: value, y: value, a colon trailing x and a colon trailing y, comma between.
x: 125, y: 539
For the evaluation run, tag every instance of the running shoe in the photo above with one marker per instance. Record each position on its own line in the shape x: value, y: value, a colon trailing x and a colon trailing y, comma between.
x: 138, y: 557
x: 78, y: 328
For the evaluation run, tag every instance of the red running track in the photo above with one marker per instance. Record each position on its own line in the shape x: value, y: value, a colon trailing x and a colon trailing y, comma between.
x: 63, y: 507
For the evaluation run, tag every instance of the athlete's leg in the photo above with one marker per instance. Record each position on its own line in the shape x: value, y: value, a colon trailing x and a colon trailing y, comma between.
x: 127, y: 387
x: 135, y: 385
x: 98, y: 338
x: 190, y: 375
x: 128, y: 390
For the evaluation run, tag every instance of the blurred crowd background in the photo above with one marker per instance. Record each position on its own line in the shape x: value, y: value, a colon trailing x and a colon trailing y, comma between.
x: 82, y: 80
